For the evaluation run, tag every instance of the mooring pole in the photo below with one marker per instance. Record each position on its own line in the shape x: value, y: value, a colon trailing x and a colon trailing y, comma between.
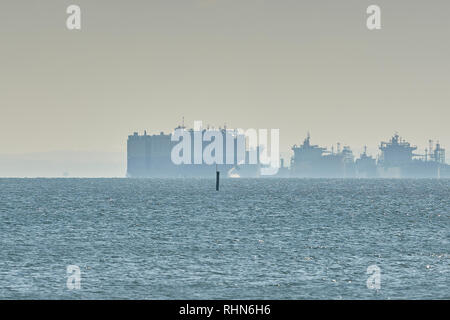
x: 217, y: 178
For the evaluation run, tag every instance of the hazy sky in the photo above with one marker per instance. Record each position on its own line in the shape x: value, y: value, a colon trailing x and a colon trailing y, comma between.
x: 293, y: 65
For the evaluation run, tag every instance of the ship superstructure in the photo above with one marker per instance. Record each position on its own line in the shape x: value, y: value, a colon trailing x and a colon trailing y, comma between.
x: 312, y: 161
x: 396, y: 152
x: 366, y: 166
x: 398, y: 160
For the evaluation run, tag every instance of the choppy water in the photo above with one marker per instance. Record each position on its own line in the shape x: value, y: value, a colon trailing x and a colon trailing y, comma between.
x: 258, y: 239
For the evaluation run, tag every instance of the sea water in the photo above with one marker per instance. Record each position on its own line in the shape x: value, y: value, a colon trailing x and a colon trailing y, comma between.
x: 253, y: 239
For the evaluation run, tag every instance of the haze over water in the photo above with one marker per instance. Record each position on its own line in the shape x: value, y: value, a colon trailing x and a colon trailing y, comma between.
x: 266, y: 238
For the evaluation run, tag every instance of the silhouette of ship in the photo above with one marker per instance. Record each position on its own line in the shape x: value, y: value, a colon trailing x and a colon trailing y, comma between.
x: 397, y: 160
x: 150, y: 156
x: 312, y: 161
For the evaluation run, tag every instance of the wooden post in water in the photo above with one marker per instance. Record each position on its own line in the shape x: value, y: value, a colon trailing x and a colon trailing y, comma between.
x: 217, y: 178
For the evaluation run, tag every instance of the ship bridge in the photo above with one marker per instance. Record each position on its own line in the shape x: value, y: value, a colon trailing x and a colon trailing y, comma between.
x: 396, y: 152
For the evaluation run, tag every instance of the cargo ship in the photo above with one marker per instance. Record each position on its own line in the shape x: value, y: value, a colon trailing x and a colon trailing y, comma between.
x: 150, y: 156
